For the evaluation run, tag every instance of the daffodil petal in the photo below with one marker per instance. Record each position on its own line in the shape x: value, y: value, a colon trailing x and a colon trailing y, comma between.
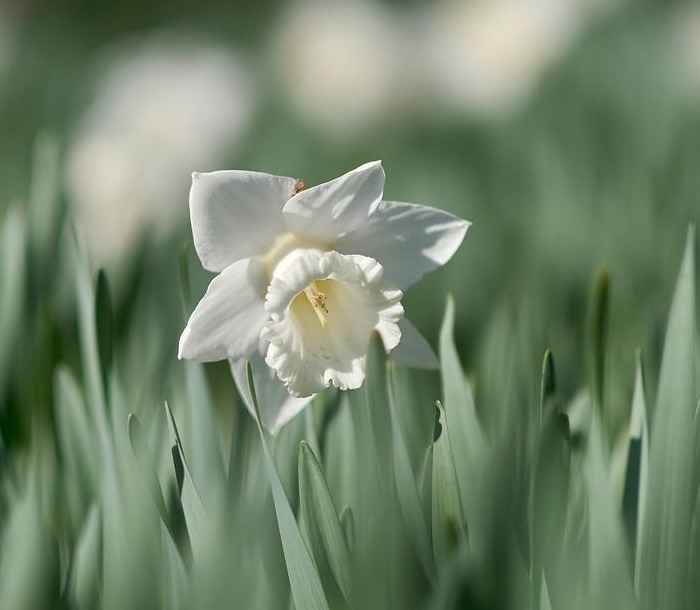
x: 327, y: 211
x: 236, y: 214
x: 277, y: 406
x: 323, y: 307
x: 227, y: 321
x: 407, y: 239
x: 413, y: 350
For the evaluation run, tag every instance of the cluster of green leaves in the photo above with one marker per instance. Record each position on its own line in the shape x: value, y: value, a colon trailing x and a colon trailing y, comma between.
x: 405, y: 493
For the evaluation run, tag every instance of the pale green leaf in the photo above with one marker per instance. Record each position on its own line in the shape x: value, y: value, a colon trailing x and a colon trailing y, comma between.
x: 325, y: 534
x: 664, y: 577
x: 204, y: 447
x: 637, y: 472
x: 409, y: 497
x: 304, y: 579
x: 598, y: 327
x: 448, y: 520
x: 463, y: 426
x: 85, y: 571
x: 192, y: 506
x: 610, y: 571
x: 27, y: 562
x: 12, y: 286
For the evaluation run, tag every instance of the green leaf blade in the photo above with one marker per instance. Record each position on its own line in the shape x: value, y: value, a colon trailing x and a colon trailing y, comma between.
x: 461, y: 422
x: 304, y: 579
x: 326, y: 536
x: 668, y: 514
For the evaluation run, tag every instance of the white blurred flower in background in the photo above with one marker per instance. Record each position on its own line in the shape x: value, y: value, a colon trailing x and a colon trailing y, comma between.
x: 164, y: 106
x: 485, y: 57
x: 339, y: 62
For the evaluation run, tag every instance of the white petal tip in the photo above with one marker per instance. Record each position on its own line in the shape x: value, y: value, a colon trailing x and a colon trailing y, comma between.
x: 181, y: 349
x: 195, y: 176
x: 377, y: 163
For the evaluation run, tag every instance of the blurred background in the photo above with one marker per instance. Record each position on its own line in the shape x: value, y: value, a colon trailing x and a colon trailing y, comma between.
x: 567, y: 131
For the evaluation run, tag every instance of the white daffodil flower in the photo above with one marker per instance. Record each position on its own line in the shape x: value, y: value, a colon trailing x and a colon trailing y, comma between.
x: 305, y: 275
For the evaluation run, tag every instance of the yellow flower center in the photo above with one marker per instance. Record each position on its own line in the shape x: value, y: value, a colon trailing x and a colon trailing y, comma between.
x: 318, y: 301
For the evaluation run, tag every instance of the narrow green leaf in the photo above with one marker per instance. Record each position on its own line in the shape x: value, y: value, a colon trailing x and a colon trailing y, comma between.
x: 89, y: 350
x: 238, y: 471
x: 205, y: 450
x: 637, y: 471
x: 425, y: 481
x: 340, y: 460
x: 27, y: 569
x: 609, y: 567
x: 12, y: 286
x: 463, y: 426
x: 304, y: 579
x: 598, y: 325
x: 550, y: 483
x: 326, y: 537
x: 104, y: 320
x: 548, y: 384
x: 86, y: 568
x: 175, y: 581
x: 448, y: 520
x: 192, y: 506
x: 668, y: 514
x: 75, y: 430
x: 377, y: 410
x: 374, y: 495
x: 147, y: 465
x: 409, y: 498
x: 310, y: 434
x: 413, y: 392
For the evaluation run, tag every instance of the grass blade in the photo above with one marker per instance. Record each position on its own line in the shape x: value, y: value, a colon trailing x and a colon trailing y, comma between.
x: 192, y: 506
x: 86, y: 563
x: 12, y: 289
x: 409, y: 498
x: 448, y: 519
x: 304, y: 579
x: 461, y: 421
x: 610, y: 574
x: 598, y: 324
x: 325, y: 534
x: 668, y: 514
x: 637, y: 472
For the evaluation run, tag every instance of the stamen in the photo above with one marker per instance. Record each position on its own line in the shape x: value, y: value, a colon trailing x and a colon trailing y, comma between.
x: 318, y: 302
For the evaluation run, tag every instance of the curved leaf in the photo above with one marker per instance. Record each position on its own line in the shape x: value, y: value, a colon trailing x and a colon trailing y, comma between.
x: 304, y: 579
x: 326, y: 537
